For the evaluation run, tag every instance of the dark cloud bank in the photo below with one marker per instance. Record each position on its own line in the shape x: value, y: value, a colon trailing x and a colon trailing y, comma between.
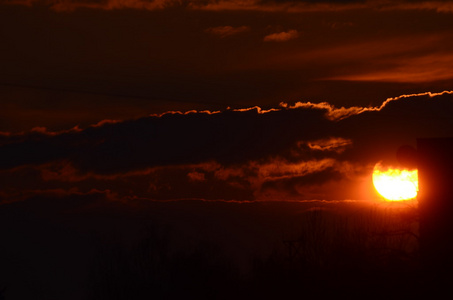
x: 305, y: 151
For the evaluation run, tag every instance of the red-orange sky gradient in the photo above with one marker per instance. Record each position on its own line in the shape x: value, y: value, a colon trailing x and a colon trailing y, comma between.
x: 134, y: 101
x: 68, y: 63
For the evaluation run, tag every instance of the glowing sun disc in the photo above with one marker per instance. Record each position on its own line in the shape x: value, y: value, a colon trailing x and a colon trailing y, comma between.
x: 395, y: 184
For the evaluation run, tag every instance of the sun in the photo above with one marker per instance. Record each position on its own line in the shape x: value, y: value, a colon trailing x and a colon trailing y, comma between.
x: 395, y: 184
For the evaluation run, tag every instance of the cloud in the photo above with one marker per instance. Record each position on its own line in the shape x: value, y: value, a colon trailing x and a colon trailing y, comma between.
x: 281, y: 36
x: 196, y: 176
x: 70, y: 5
x: 290, y: 6
x: 377, y: 53
x: 299, y: 187
x: 294, y: 6
x: 423, y: 68
x: 228, y: 137
x: 296, y: 151
x: 336, y: 144
x: 224, y: 31
x: 277, y: 6
x: 331, y: 112
x: 278, y: 169
x: 407, y: 58
x: 438, y: 6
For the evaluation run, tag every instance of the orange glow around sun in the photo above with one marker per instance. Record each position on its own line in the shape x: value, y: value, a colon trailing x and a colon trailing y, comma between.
x: 395, y: 184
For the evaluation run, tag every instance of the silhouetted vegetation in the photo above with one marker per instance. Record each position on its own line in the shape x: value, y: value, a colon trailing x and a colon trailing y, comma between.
x: 349, y: 255
x: 372, y: 252
x: 152, y: 270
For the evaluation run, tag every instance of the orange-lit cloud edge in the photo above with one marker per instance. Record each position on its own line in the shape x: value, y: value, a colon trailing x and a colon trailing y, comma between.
x: 265, y: 180
x: 331, y: 111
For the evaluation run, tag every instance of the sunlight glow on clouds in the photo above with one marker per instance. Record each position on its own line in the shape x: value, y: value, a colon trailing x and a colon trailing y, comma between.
x: 332, y: 113
x: 295, y: 152
x: 172, y: 99
x: 331, y: 144
x: 279, y: 169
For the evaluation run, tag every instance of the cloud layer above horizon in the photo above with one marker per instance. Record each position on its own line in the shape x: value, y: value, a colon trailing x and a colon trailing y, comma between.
x: 304, y: 151
x: 74, y: 62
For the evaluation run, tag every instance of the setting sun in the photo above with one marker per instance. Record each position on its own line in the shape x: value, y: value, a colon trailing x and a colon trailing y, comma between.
x: 395, y: 184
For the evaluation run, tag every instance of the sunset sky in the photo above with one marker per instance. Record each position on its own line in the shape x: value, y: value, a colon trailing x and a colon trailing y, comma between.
x: 230, y: 100
x: 139, y: 100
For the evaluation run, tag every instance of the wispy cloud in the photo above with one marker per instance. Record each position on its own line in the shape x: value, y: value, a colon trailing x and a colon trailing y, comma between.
x: 424, y: 68
x: 275, y: 6
x: 336, y: 144
x: 224, y: 31
x: 70, y: 5
x: 289, y: 6
x: 282, y: 36
x: 438, y: 6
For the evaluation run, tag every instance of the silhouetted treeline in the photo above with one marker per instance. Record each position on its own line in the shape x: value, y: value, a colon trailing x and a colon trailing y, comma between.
x: 151, y: 270
x: 367, y: 254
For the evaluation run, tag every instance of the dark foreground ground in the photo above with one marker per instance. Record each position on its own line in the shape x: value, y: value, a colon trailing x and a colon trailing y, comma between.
x: 89, y: 248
